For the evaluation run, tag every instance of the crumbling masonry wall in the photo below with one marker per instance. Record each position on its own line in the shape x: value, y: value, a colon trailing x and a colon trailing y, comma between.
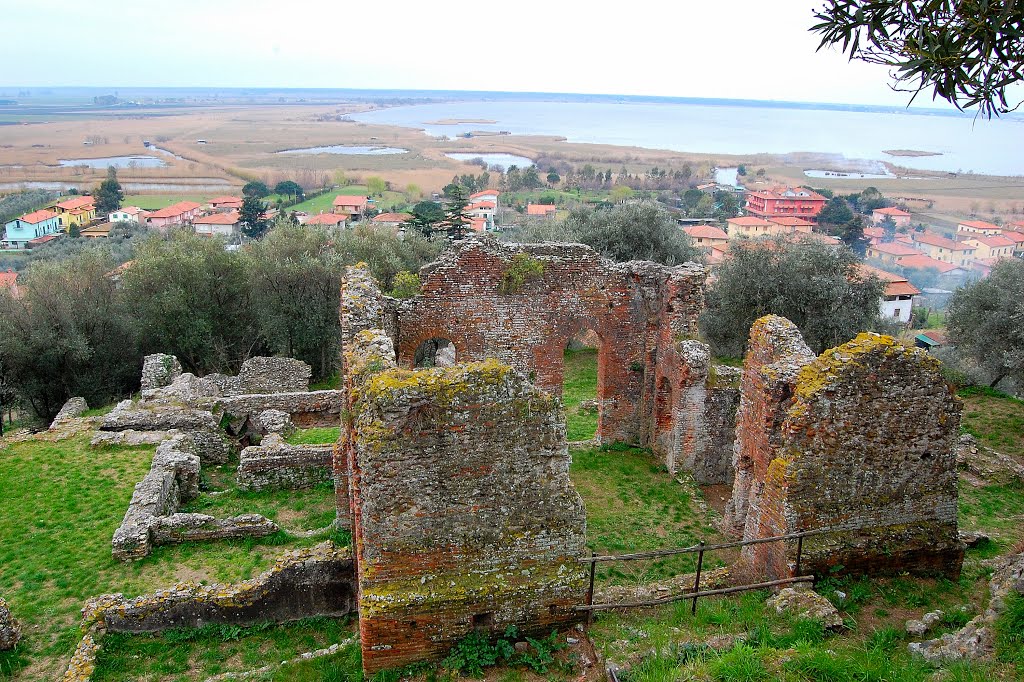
x: 865, y: 449
x: 464, y: 515
x: 640, y: 311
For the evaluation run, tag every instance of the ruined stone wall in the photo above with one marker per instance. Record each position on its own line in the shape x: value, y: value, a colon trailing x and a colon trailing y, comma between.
x: 159, y: 370
x: 713, y: 461
x: 464, y: 515
x: 273, y: 375
x: 639, y: 311
x: 314, y: 581
x: 10, y: 630
x: 865, y: 449
x: 273, y: 464
x: 307, y: 408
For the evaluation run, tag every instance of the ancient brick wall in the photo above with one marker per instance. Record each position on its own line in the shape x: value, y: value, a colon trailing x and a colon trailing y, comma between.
x: 464, y: 515
x: 865, y: 449
x: 639, y: 311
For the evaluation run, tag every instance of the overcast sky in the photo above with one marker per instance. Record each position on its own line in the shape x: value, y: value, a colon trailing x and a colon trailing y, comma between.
x: 750, y: 49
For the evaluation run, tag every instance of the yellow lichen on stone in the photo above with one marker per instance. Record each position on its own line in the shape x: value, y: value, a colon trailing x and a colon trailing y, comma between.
x: 441, y: 383
x: 826, y: 368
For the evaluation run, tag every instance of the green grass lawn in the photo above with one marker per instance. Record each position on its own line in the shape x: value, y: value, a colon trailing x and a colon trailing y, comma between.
x: 316, y: 436
x: 994, y: 418
x: 62, y: 501
x: 579, y: 384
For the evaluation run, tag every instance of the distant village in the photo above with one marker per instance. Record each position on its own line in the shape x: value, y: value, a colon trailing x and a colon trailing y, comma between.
x: 892, y: 242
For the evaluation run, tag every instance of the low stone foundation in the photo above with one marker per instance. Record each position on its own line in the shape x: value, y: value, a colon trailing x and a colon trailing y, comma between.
x: 309, y: 408
x: 178, y: 528
x: 275, y: 464
x: 152, y: 517
x: 83, y: 663
x: 315, y: 581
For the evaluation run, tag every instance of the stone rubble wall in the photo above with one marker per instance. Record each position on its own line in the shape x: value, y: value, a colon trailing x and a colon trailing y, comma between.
x: 72, y: 409
x: 178, y: 528
x: 83, y: 663
x: 314, y: 581
x: 308, y: 408
x: 10, y: 630
x: 273, y: 375
x: 159, y: 370
x: 152, y: 518
x: 464, y: 515
x: 865, y: 450
x: 274, y: 464
x: 714, y: 466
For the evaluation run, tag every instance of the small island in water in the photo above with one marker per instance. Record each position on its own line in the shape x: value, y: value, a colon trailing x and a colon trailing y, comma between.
x: 909, y: 152
x: 459, y: 121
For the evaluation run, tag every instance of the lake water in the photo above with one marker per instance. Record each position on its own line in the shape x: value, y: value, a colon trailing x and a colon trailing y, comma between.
x: 347, y: 149
x: 964, y: 144
x: 137, y: 161
x: 494, y: 159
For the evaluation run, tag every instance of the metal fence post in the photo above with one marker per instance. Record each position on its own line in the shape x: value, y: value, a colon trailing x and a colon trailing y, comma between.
x: 696, y: 582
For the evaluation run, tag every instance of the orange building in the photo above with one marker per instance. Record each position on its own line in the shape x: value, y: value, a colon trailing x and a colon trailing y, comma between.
x: 798, y: 202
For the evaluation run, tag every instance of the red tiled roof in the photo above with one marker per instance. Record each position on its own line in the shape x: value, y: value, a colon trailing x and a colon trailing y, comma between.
x: 705, y: 232
x: 979, y: 225
x: 42, y: 240
x: 481, y: 204
x: 175, y: 210
x: 1015, y: 237
x: 922, y: 262
x: 225, y: 200
x: 77, y: 202
x: 790, y: 221
x: 478, y: 224
x: 36, y: 217
x: 130, y: 210
x: 791, y: 193
x: 994, y: 241
x: 895, y: 249
x: 748, y: 221
x: 348, y: 200
x: 939, y: 240
x: 892, y: 211
x: 327, y: 219
x: 391, y: 217
x: 540, y: 209
x: 229, y: 218
x: 485, y: 193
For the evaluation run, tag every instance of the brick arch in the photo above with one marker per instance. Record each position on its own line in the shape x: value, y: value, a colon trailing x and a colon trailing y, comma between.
x: 407, y: 347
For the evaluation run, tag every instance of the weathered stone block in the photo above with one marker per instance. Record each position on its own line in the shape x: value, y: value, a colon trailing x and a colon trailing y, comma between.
x: 178, y: 528
x: 312, y: 408
x: 72, y: 409
x: 275, y: 421
x: 275, y: 464
x: 10, y: 630
x: 273, y: 375
x: 159, y: 370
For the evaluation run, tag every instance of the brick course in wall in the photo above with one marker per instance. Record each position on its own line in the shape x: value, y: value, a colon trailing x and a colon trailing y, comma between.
x: 464, y: 515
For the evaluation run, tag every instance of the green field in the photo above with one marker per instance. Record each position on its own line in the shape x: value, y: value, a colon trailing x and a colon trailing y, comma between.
x: 579, y: 384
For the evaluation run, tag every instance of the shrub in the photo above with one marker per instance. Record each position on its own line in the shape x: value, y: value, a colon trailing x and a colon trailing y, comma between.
x: 523, y: 268
x: 406, y: 285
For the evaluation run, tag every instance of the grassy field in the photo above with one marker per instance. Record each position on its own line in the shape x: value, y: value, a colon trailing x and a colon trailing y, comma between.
x: 995, y: 419
x: 61, y: 503
x: 579, y: 384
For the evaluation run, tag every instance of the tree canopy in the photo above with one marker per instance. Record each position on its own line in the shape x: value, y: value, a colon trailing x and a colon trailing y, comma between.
x: 108, y: 196
x: 253, y: 224
x: 289, y: 188
x: 255, y: 188
x: 986, y: 321
x: 969, y: 52
x: 815, y: 285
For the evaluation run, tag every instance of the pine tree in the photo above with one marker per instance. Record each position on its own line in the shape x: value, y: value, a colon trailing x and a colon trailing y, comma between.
x: 108, y: 196
x: 455, y: 217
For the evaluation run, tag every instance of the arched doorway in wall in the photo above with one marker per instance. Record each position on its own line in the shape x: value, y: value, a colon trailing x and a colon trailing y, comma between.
x: 580, y: 382
x: 435, y: 352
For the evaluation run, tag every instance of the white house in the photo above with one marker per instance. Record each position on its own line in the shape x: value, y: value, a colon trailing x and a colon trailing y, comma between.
x: 898, y: 299
x: 126, y: 214
x: 217, y: 224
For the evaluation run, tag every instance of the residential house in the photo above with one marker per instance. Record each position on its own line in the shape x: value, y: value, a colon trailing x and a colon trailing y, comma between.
x: 541, y: 210
x: 31, y: 226
x: 919, y: 261
x: 707, y: 237
x: 975, y: 227
x: 943, y: 249
x: 791, y: 225
x: 994, y: 246
x: 181, y: 213
x: 1018, y: 242
x: 101, y: 231
x: 353, y: 205
x: 9, y: 281
x: 874, y: 235
x: 127, y: 214
x: 329, y: 219
x: 749, y: 226
x: 217, y: 224
x: 76, y: 212
x: 891, y: 252
x: 483, y: 210
x: 391, y: 220
x: 225, y: 204
x: 898, y: 297
x: 898, y: 216
x: 490, y: 195
x: 785, y: 201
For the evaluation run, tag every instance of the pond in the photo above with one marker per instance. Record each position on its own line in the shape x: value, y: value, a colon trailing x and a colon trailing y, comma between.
x: 165, y: 152
x: 135, y: 161
x: 495, y: 159
x: 347, y: 149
